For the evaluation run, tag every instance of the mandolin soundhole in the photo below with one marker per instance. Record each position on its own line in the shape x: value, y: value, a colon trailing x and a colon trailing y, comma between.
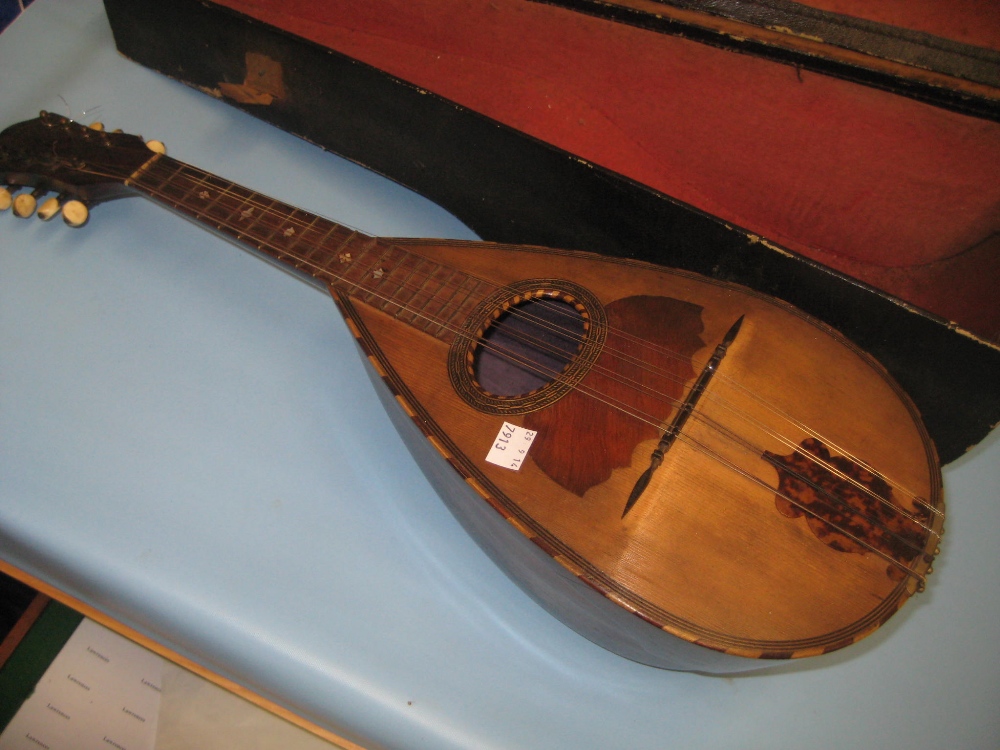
x: 526, y: 346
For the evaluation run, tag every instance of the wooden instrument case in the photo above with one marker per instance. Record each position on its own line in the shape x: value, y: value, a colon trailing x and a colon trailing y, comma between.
x: 848, y: 165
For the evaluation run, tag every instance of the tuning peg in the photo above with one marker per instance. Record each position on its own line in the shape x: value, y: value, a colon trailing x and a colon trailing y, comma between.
x: 156, y: 147
x: 24, y: 204
x: 48, y: 209
x: 75, y: 213
x: 98, y: 126
x: 5, y: 199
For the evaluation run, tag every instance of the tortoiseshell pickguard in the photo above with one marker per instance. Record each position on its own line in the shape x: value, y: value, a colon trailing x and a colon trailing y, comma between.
x: 842, y: 509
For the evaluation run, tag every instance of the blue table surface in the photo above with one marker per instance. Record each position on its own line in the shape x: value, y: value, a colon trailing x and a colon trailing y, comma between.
x: 190, y: 443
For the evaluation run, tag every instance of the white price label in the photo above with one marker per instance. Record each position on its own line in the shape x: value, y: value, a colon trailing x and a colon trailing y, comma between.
x: 510, y: 447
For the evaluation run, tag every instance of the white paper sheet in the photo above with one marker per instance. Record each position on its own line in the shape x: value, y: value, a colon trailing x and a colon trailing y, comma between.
x: 194, y: 713
x: 102, y: 692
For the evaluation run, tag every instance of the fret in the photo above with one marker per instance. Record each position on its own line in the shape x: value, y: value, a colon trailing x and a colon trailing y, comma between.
x: 208, y: 194
x: 452, y: 294
x: 357, y: 270
x: 311, y: 244
x: 335, y: 250
x: 310, y: 237
x: 211, y: 190
x: 196, y: 182
x: 289, y: 233
x: 466, y: 298
x: 380, y: 282
x: 247, y: 219
x: 202, y: 193
x: 258, y: 220
x: 399, y: 291
x: 417, y: 285
x: 297, y: 241
x: 417, y: 312
x: 273, y: 219
x: 448, y: 288
x: 166, y: 185
x: 247, y: 214
x: 163, y: 179
x: 221, y: 209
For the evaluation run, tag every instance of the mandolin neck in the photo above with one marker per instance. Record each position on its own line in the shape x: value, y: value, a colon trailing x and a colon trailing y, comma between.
x: 427, y: 295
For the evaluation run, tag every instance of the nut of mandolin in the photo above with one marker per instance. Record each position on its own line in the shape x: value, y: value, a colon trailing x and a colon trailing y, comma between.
x: 24, y: 205
x: 75, y: 213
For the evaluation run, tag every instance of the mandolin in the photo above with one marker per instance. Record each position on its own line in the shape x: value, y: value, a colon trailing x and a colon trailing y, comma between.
x: 689, y: 473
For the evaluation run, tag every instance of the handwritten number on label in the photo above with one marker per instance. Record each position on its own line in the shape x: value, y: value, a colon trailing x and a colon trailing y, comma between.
x: 510, y: 436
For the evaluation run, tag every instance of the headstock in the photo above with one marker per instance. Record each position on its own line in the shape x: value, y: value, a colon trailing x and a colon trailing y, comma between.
x: 55, y: 154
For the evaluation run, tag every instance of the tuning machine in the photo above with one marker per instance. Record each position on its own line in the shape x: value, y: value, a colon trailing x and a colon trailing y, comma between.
x: 157, y: 147
x: 25, y: 203
x: 75, y: 213
x: 49, y: 208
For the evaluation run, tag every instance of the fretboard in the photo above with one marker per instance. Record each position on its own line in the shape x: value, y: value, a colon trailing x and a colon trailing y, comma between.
x: 427, y: 295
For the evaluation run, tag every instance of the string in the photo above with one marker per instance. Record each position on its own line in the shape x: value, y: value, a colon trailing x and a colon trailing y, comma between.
x: 244, y: 201
x: 787, y: 442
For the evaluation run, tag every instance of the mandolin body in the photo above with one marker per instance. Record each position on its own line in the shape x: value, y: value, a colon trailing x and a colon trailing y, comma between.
x: 715, y: 480
x: 706, y: 572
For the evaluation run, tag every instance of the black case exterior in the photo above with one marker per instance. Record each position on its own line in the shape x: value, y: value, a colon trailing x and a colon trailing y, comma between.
x: 509, y: 187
